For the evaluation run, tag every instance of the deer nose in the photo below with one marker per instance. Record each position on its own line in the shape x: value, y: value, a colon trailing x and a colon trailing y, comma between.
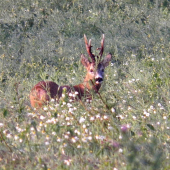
x: 99, y: 80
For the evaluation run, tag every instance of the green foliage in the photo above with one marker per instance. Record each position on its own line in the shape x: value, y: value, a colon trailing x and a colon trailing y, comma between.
x: 127, y: 124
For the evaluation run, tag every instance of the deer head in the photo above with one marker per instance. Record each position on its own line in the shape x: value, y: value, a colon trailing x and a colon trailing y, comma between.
x: 95, y: 67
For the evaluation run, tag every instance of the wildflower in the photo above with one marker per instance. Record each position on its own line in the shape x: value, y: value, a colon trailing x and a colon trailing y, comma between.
x: 124, y: 128
x: 69, y: 105
x: 64, y: 103
x: 42, y: 117
x: 77, y: 132
x: 63, y: 95
x: 20, y: 140
x: 32, y: 129
x: 54, y: 133
x: 79, y: 146
x: 74, y: 139
x: 81, y: 120
x: 162, y: 108
x: 68, y: 123
x: 159, y: 104
x: 47, y: 137
x: 84, y: 140
x: 66, y: 136
x: 110, y: 127
x: 124, y: 101
x: 68, y: 162
x: 70, y: 94
x: 100, y: 137
x: 71, y: 110
x: 129, y: 108
x: 52, y: 100
x: 45, y: 108
x: 105, y: 117
x: 86, y: 130
x: 151, y: 107
x: 67, y: 118
x: 16, y: 137
x: 164, y: 117
x: 146, y: 113
x: 59, y: 140
x: 90, y: 138
x: 120, y: 150
x: 92, y: 118
x: 98, y: 116
x: 9, y: 135
x: 112, y: 110
x: 134, y: 117
x: 120, y: 116
x: 84, y: 126
x: 120, y: 137
x: 47, y: 143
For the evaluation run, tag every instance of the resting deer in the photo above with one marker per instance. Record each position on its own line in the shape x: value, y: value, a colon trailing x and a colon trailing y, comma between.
x: 46, y: 90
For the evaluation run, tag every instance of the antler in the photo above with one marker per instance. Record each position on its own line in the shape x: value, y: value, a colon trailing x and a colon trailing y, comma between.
x: 88, y: 48
x: 102, y: 47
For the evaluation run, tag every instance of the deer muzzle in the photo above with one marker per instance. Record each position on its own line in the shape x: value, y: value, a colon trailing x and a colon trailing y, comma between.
x: 99, y: 80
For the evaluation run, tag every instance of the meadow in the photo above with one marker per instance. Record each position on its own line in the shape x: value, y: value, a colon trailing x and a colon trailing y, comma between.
x: 127, y: 124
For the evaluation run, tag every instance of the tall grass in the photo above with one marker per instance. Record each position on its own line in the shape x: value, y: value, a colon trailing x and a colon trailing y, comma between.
x: 127, y: 124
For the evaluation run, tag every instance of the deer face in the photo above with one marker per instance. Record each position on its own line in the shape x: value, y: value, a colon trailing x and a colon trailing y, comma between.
x: 95, y: 67
x: 95, y: 72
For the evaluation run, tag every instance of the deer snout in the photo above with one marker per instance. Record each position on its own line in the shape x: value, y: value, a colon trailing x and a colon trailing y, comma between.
x: 98, y: 80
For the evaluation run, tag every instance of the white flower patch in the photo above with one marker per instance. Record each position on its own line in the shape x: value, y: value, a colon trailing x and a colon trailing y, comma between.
x: 81, y: 120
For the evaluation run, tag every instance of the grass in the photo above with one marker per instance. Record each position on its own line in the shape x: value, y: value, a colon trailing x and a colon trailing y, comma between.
x: 127, y: 124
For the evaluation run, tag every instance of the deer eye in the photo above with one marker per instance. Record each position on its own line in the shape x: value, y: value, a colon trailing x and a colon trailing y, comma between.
x: 102, y: 70
x: 91, y: 70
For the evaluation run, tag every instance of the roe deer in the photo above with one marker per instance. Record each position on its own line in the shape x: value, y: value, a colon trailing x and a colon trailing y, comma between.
x: 46, y: 90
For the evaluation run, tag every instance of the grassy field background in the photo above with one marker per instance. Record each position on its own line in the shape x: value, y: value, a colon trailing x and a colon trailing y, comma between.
x: 128, y: 127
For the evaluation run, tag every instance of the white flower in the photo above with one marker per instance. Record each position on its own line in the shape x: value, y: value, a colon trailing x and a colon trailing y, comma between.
x: 159, y: 104
x: 70, y: 94
x: 105, y: 117
x: 90, y: 138
x: 20, y: 140
x: 164, y: 117
x: 45, y: 108
x: 42, y: 117
x: 77, y: 132
x: 16, y: 137
x: 112, y: 110
x: 52, y: 100
x: 120, y: 150
x: 63, y: 95
x: 69, y: 105
x: 68, y: 162
x: 134, y: 117
x: 54, y: 133
x: 81, y: 120
x: 92, y: 118
x: 98, y: 116
x: 84, y: 126
x: 47, y: 143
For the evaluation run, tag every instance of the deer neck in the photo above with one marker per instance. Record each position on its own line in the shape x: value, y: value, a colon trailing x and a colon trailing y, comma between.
x: 91, y: 85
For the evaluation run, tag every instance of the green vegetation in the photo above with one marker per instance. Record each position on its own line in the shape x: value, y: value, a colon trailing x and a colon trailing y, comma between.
x: 127, y: 126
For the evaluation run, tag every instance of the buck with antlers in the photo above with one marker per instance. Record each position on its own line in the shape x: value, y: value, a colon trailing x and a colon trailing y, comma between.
x: 46, y: 90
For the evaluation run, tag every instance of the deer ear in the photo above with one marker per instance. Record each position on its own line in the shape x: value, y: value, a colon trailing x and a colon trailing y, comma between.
x: 106, y: 60
x: 84, y: 61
